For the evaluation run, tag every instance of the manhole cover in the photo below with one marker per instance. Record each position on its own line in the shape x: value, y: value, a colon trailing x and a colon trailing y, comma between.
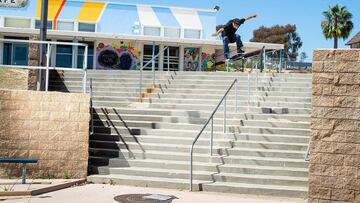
x: 144, y: 198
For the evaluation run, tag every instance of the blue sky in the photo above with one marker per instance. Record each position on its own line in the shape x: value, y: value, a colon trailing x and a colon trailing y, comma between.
x: 306, y: 14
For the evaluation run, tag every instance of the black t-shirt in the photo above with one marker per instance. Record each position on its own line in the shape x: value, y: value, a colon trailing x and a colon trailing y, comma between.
x: 229, y: 29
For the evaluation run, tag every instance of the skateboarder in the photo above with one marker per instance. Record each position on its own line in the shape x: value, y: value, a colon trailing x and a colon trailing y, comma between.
x: 228, y: 33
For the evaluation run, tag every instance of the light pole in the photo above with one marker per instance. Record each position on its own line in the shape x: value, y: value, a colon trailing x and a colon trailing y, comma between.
x: 43, y: 37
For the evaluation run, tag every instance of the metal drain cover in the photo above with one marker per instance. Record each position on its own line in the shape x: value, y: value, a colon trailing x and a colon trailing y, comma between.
x: 142, y: 198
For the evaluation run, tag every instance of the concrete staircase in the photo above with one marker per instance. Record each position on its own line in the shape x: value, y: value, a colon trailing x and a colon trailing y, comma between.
x: 148, y: 143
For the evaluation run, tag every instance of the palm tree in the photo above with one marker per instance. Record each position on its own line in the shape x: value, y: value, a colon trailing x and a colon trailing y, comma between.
x: 338, y: 23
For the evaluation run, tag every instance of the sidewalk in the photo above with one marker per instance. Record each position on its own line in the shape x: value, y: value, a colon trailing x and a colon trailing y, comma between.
x: 95, y: 193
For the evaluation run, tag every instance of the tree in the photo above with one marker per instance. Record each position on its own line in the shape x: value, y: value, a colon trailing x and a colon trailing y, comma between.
x: 337, y: 23
x: 303, y: 56
x: 286, y: 35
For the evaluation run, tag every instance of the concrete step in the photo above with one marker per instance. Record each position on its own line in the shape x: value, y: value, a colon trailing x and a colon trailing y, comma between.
x: 198, y: 157
x: 193, y: 123
x: 140, y: 130
x: 144, y: 115
x: 104, y: 162
x: 203, y: 149
x: 209, y: 176
x: 201, y: 114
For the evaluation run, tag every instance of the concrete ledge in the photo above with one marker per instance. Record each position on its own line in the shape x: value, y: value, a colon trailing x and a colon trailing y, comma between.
x: 46, y: 189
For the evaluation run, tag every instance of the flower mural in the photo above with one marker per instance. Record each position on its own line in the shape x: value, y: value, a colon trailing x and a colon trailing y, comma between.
x: 116, y: 56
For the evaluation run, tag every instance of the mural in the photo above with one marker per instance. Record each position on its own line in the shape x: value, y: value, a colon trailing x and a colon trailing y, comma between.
x: 191, y: 59
x: 207, y: 61
x: 117, y: 55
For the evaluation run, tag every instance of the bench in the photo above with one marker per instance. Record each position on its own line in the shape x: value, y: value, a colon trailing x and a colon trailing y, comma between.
x: 23, y: 162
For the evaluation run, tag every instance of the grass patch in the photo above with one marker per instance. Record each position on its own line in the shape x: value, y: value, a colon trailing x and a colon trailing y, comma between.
x: 13, y: 79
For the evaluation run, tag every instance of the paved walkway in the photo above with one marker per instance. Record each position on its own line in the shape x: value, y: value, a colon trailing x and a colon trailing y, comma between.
x: 95, y: 193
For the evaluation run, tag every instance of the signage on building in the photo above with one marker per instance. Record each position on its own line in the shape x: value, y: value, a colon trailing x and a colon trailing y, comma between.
x: 13, y: 3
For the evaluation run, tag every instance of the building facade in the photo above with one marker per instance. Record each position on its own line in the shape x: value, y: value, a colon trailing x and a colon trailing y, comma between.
x: 354, y: 43
x: 119, y: 36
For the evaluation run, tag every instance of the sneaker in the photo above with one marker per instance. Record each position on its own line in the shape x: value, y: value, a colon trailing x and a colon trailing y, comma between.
x: 241, y: 51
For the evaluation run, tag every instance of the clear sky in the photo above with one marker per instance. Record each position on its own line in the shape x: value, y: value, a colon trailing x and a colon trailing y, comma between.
x: 306, y: 14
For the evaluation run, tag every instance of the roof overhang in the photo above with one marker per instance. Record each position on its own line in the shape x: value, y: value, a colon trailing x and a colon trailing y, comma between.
x: 90, y: 36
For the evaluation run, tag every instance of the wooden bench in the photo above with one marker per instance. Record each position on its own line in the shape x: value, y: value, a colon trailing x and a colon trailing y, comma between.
x: 18, y: 161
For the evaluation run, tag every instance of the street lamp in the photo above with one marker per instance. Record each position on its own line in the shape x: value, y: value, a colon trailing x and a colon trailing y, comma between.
x: 43, y: 37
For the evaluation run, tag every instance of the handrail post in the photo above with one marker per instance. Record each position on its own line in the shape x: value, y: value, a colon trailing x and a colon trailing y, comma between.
x: 140, y: 86
x: 257, y: 80
x: 248, y: 94
x: 225, y: 114
x: 85, y: 68
x: 48, y: 54
x: 91, y: 106
x: 153, y: 63
x: 212, y: 136
x: 168, y: 59
x: 236, y: 95
x: 191, y: 168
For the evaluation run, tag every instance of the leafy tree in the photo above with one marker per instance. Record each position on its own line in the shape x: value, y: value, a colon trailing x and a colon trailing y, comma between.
x: 303, y: 56
x: 337, y: 23
x: 286, y: 35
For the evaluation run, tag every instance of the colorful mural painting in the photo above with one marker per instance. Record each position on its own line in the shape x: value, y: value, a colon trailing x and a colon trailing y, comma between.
x: 207, y: 61
x: 191, y: 59
x: 117, y: 55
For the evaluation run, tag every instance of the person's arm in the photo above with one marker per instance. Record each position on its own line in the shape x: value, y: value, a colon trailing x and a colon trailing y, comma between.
x: 218, y: 32
x: 250, y: 17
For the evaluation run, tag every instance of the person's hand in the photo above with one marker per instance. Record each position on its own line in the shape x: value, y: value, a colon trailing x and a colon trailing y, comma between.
x: 214, y: 34
x: 254, y: 16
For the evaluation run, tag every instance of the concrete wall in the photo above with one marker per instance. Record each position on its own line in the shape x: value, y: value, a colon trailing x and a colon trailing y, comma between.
x: 335, y: 127
x: 52, y: 127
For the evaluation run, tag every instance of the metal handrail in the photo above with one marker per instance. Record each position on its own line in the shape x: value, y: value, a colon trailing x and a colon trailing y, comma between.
x: 49, y: 68
x: 211, y: 118
x: 48, y: 56
x: 91, y: 107
x: 141, y: 69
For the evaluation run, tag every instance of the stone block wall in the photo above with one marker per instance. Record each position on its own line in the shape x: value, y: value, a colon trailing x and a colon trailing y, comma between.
x: 334, y: 172
x: 52, y: 127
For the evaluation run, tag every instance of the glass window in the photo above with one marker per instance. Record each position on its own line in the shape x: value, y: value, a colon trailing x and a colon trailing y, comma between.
x: 174, y: 55
x: 65, y: 26
x: 86, y: 27
x: 7, y: 54
x: 152, y: 31
x: 148, y: 50
x: 192, y: 34
x: 15, y: 54
x: 38, y: 23
x: 20, y: 54
x: 80, y: 57
x: 17, y: 22
x: 64, y: 56
x: 172, y: 32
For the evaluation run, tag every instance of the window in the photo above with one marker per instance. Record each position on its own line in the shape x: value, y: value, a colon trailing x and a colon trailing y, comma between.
x: 15, y: 54
x: 148, y: 50
x: 38, y: 24
x: 80, y: 57
x: 86, y: 27
x: 64, y: 56
x: 61, y: 25
x: 174, y: 55
x: 17, y: 23
x: 192, y: 34
x: 172, y: 32
x: 152, y: 31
